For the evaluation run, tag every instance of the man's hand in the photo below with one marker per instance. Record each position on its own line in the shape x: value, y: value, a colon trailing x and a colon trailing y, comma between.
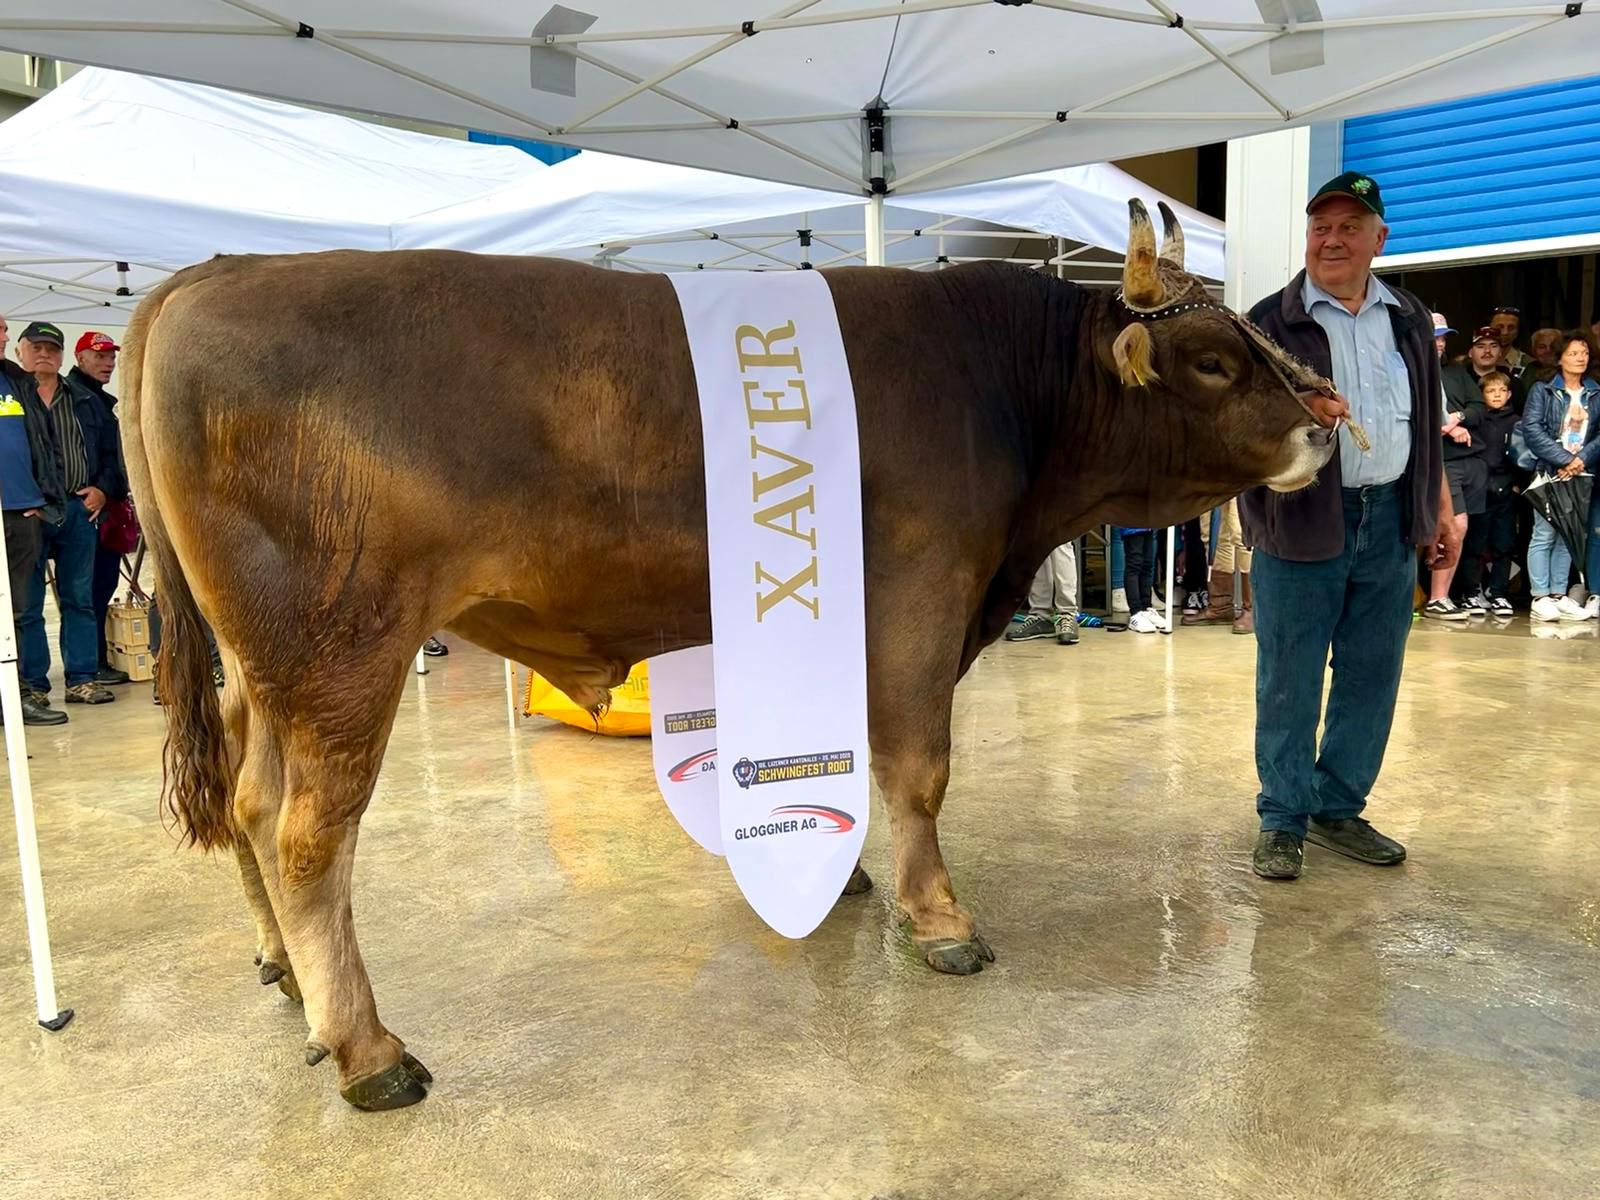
x: 1458, y: 435
x: 1328, y: 410
x: 1571, y: 470
x: 1446, y: 548
x: 93, y: 499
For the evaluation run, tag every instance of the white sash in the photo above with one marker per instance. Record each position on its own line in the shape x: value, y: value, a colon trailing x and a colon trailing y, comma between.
x: 783, y: 523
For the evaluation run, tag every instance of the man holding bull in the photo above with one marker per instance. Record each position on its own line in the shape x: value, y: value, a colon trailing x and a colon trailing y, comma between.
x: 1335, y: 565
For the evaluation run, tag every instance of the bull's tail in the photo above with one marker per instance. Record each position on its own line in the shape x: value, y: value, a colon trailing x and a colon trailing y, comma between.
x: 197, y: 774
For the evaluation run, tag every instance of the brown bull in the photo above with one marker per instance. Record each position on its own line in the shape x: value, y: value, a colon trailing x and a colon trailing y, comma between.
x: 334, y: 455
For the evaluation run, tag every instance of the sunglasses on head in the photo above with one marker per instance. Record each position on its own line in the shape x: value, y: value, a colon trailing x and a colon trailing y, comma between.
x: 1508, y: 311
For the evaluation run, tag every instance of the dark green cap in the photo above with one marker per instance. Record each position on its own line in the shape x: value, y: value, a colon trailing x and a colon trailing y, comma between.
x: 42, y: 331
x: 1363, y: 189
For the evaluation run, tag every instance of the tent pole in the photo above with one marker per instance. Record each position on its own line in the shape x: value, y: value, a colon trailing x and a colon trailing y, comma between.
x: 511, y: 692
x: 1172, y: 546
x: 422, y: 662
x: 44, y: 978
x: 874, y: 231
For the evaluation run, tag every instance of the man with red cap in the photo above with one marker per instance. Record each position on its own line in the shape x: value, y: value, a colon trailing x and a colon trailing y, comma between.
x: 97, y: 359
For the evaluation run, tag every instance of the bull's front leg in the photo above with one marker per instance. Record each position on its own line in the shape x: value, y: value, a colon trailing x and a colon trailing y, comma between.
x: 913, y: 772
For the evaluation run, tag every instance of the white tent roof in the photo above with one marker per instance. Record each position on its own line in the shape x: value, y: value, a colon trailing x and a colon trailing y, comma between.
x: 112, y: 167
x: 659, y: 216
x: 974, y: 89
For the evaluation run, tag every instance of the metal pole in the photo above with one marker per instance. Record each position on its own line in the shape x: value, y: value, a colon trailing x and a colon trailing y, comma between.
x: 1172, y: 549
x: 874, y: 231
x: 511, y: 692
x: 422, y: 662
x: 44, y: 977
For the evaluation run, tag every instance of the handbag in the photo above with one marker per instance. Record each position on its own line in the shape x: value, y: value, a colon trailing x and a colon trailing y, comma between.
x: 119, y: 526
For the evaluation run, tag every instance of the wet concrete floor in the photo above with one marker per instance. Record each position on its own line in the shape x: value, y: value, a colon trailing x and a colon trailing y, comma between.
x: 606, y: 1019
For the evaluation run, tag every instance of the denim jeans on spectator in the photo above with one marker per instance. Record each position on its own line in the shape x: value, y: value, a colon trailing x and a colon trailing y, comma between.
x: 1359, y: 604
x: 1549, y: 560
x: 1139, y: 569
x: 1591, y: 558
x: 72, y: 546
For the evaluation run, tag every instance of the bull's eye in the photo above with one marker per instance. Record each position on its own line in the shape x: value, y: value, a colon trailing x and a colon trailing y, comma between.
x: 1208, y: 364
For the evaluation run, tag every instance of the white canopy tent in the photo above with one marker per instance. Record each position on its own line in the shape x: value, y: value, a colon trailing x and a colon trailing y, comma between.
x: 857, y: 96
x: 656, y: 216
x: 112, y: 181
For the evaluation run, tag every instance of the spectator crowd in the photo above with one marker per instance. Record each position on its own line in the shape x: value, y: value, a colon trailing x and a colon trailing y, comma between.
x: 64, y: 492
x: 1509, y: 417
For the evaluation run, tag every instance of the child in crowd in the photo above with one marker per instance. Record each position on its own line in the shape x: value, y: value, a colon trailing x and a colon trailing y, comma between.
x: 1495, y: 529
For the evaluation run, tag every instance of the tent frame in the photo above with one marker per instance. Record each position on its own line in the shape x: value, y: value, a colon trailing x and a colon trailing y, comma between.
x: 857, y: 177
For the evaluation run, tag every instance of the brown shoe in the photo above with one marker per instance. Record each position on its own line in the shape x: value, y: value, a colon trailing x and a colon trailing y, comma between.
x: 1220, y: 610
x: 1245, y: 622
x: 88, y: 693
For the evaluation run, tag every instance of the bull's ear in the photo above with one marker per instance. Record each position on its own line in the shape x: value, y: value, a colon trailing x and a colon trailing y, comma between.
x: 1134, y: 352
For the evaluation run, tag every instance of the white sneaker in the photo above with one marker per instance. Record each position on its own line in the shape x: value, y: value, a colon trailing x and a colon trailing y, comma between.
x: 1569, y: 610
x: 1592, y: 606
x: 1119, y: 600
x: 1546, y: 609
x: 1158, y: 618
x: 1143, y: 622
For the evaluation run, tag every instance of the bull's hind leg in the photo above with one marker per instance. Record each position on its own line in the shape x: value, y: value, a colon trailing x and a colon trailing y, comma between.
x: 331, y: 758
x: 258, y: 788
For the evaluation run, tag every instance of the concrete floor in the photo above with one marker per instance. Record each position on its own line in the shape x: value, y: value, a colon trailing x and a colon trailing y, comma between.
x: 606, y: 1018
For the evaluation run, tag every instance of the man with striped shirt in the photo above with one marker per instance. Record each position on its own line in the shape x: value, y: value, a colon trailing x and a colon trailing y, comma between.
x: 92, y: 473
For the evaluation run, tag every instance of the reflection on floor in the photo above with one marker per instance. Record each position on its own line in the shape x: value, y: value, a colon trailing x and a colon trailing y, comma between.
x: 606, y: 1018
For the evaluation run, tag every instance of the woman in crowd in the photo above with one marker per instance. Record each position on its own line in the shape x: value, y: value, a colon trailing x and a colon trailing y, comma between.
x: 1495, y: 530
x: 1560, y: 428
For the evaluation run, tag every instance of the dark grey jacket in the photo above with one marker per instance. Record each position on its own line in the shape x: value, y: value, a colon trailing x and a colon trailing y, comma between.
x: 1308, y: 525
x: 41, y: 439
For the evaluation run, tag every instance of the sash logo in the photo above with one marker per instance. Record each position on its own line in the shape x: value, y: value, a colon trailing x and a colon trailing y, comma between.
x: 798, y: 818
x: 694, y: 766
x: 795, y: 766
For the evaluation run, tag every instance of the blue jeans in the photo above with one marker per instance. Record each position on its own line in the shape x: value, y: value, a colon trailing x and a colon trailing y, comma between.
x: 1591, y: 558
x: 1549, y: 560
x: 72, y: 545
x: 1360, y: 605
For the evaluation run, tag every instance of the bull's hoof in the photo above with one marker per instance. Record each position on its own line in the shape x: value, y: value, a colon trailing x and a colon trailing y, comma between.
x: 271, y: 973
x: 410, y: 1063
x: 950, y: 957
x: 289, y: 986
x: 399, y: 1086
x: 858, y: 883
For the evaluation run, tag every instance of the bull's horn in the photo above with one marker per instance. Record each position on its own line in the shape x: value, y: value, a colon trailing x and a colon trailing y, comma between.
x: 1141, y: 283
x: 1171, y: 236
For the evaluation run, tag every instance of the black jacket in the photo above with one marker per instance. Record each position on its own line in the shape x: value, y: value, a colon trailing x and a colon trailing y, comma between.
x: 102, y: 452
x: 112, y: 468
x: 41, y: 438
x: 1495, y: 429
x: 1308, y: 525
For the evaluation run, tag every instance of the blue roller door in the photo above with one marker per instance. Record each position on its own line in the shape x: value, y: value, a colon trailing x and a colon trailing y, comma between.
x: 1508, y: 167
x: 546, y: 152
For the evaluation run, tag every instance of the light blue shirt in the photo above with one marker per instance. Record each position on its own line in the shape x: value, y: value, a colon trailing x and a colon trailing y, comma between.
x: 1371, y: 375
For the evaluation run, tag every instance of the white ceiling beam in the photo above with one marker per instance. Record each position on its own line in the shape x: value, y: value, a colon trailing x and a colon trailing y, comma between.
x: 336, y: 43
x: 855, y: 180
x: 1205, y: 43
x: 1428, y: 64
x: 679, y: 67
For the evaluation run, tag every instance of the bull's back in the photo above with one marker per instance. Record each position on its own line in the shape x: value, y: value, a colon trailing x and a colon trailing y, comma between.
x: 531, y: 426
